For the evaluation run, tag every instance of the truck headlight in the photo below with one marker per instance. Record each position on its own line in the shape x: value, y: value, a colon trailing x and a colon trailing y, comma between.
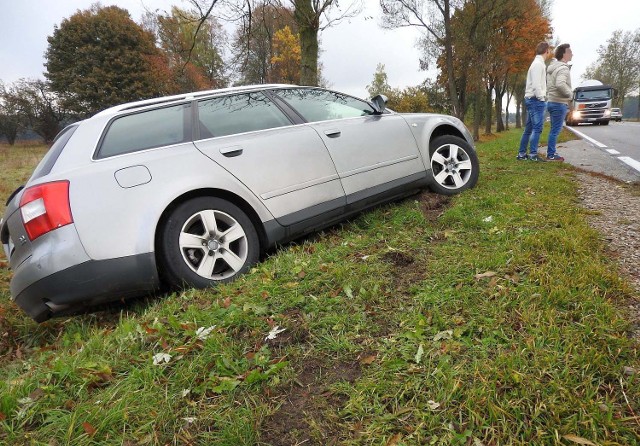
x: 607, y: 113
x: 576, y: 115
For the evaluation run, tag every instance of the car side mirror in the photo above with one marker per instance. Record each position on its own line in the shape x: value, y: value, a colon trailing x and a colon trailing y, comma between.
x: 379, y: 103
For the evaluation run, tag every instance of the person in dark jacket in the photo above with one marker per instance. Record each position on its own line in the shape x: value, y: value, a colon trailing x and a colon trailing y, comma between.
x: 559, y: 94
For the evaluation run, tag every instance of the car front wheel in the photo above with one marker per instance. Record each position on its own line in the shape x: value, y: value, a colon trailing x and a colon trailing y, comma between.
x: 204, y: 241
x: 454, y: 165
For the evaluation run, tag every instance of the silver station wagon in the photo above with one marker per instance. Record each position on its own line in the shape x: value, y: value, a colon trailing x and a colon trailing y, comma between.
x: 189, y: 190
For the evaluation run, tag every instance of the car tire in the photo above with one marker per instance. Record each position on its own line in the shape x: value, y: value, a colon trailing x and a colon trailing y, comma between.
x: 205, y: 241
x: 604, y: 123
x: 454, y: 165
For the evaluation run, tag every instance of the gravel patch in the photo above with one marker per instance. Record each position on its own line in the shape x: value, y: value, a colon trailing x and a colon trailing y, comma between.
x: 616, y: 216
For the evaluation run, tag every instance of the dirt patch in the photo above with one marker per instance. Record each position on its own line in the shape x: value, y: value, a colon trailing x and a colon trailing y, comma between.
x: 432, y: 204
x: 308, y: 409
x: 295, y: 330
x: 399, y: 259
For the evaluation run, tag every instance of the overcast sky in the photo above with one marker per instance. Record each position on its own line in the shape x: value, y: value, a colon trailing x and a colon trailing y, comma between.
x: 350, y: 51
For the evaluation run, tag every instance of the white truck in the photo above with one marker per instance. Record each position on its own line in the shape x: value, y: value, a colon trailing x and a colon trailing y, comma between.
x: 591, y: 102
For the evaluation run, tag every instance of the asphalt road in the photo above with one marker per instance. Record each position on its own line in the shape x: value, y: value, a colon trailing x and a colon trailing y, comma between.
x: 621, y: 140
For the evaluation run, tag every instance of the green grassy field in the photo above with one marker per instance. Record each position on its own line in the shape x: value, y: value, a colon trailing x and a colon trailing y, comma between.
x: 493, y: 318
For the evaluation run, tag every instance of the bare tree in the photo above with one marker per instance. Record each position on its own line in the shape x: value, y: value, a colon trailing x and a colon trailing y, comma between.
x: 434, y: 18
x: 311, y: 17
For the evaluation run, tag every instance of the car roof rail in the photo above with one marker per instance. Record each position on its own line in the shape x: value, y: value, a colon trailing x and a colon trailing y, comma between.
x: 185, y: 96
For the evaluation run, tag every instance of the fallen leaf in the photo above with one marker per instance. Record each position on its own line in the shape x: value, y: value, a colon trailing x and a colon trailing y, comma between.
x: 275, y: 331
x: 150, y: 330
x: 419, y: 354
x: 203, y: 333
x: 89, y: 429
x: 2, y: 416
x: 348, y: 291
x: 485, y: 274
x: 578, y: 440
x: 395, y: 439
x: 226, y: 303
x: 36, y: 394
x: 433, y: 405
x: 447, y: 334
x: 368, y: 359
x: 301, y: 275
x: 160, y: 358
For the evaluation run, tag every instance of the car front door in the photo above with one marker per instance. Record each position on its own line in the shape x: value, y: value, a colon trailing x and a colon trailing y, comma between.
x: 373, y: 153
x: 286, y: 166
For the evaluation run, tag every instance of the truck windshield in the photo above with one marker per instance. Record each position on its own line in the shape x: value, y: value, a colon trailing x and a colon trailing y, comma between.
x: 593, y: 94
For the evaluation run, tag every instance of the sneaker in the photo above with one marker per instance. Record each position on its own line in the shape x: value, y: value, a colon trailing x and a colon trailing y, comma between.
x: 535, y: 158
x: 521, y: 157
x: 555, y: 157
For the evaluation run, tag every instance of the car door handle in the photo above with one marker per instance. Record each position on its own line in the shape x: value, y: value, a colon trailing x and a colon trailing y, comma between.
x: 231, y: 151
x: 333, y: 133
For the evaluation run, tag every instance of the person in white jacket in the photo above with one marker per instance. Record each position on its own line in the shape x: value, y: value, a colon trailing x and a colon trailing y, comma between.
x: 559, y: 94
x: 535, y: 96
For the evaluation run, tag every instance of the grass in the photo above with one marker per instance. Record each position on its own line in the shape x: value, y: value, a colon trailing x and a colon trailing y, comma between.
x: 492, y: 318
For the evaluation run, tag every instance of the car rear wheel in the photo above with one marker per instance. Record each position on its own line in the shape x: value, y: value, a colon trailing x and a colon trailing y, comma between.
x: 454, y: 165
x: 206, y: 240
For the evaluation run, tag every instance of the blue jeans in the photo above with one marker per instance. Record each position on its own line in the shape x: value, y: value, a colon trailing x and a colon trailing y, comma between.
x: 557, y: 111
x: 533, y: 126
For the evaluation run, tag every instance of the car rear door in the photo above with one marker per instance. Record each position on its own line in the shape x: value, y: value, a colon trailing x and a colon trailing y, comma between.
x: 286, y: 166
x: 372, y: 153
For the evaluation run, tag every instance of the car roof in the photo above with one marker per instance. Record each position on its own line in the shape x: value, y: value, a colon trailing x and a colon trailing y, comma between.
x: 186, y: 96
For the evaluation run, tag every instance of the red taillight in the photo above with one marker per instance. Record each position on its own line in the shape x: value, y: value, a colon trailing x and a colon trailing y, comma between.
x: 45, y: 207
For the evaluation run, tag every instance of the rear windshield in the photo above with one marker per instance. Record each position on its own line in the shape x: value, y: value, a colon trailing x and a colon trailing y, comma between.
x: 49, y: 160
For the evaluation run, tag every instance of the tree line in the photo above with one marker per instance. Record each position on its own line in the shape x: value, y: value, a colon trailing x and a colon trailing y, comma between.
x: 100, y: 57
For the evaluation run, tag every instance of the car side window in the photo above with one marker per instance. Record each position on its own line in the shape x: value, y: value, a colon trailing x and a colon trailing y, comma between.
x: 239, y: 113
x: 146, y: 130
x: 322, y: 105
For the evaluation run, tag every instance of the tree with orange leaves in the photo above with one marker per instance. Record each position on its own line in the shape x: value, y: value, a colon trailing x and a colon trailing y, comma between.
x: 286, y: 57
x: 493, y: 40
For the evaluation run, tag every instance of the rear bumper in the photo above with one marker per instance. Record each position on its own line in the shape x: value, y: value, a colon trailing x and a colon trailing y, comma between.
x: 89, y: 283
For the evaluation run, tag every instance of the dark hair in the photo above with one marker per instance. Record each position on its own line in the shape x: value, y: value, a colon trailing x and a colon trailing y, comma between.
x: 542, y: 48
x: 560, y: 50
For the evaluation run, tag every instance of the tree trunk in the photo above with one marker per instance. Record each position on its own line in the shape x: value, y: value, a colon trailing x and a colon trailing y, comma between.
x: 448, y: 48
x: 477, y: 115
x: 506, y: 114
x: 499, y: 121
x: 488, y: 108
x: 308, y: 26
x: 518, y: 116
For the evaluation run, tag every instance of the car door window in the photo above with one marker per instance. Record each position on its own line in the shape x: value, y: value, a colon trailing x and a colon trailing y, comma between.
x: 240, y: 113
x: 322, y: 105
x: 146, y: 130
